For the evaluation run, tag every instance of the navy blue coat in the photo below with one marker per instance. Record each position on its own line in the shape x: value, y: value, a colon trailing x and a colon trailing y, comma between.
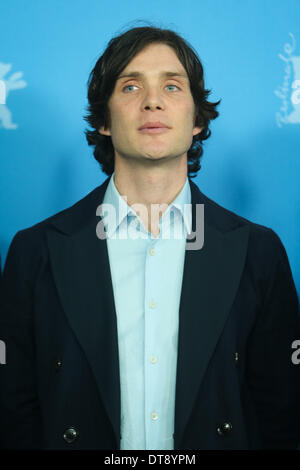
x: 236, y: 386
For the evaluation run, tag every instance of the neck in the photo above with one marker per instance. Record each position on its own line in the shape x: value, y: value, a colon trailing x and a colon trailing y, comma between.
x: 150, y: 185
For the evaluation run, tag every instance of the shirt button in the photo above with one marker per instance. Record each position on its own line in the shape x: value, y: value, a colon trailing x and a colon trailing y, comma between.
x: 152, y: 304
x: 152, y: 252
x: 154, y: 416
x: 153, y: 359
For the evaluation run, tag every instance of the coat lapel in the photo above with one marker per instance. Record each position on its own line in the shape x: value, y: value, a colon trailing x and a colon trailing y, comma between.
x: 81, y: 271
x: 210, y: 281
x: 82, y: 275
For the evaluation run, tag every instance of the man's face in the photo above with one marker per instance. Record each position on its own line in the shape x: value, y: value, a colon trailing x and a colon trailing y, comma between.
x: 144, y: 93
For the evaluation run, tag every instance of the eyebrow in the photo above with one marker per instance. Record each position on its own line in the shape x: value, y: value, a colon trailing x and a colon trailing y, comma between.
x: 162, y: 74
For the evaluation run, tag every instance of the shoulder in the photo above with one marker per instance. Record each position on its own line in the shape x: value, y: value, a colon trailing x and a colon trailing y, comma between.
x: 29, y: 244
x: 72, y: 218
x: 267, y: 263
x: 263, y: 240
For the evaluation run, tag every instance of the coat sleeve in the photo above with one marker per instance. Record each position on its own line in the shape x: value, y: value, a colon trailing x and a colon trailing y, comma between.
x: 273, y: 377
x: 20, y: 415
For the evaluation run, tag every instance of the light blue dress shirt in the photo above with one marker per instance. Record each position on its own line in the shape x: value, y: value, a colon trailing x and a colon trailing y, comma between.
x: 147, y: 276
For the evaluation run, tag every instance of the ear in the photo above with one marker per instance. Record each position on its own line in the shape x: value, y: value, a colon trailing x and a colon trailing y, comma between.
x: 197, y: 130
x: 104, y: 131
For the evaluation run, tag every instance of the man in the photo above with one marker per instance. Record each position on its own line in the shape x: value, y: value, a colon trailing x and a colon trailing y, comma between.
x: 120, y: 338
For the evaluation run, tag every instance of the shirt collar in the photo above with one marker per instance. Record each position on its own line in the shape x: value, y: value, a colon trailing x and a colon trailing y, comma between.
x: 114, y: 218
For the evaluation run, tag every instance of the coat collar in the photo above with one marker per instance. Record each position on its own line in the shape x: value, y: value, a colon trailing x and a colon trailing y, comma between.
x: 211, y: 276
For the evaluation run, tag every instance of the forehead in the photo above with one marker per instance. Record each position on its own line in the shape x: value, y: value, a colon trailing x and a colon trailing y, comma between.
x: 155, y: 58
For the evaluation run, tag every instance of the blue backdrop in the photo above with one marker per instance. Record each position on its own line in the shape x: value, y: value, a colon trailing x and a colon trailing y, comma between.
x: 250, y: 50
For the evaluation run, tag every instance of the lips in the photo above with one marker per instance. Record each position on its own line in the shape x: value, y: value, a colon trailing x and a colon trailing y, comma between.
x: 154, y: 125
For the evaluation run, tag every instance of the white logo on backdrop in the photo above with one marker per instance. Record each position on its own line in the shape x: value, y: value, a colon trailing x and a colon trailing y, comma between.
x: 7, y: 84
x: 289, y: 92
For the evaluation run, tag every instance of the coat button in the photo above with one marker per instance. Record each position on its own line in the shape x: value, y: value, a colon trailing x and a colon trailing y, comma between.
x: 70, y: 435
x: 58, y: 364
x: 224, y: 429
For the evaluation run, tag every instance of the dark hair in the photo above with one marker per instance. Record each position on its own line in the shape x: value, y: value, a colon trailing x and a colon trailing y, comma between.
x: 119, y: 52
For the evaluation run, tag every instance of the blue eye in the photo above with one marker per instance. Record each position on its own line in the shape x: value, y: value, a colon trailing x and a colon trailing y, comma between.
x: 128, y: 86
x: 173, y: 86
x: 125, y: 89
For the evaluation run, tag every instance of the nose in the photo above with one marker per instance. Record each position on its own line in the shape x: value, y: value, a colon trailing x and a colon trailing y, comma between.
x: 152, y: 100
